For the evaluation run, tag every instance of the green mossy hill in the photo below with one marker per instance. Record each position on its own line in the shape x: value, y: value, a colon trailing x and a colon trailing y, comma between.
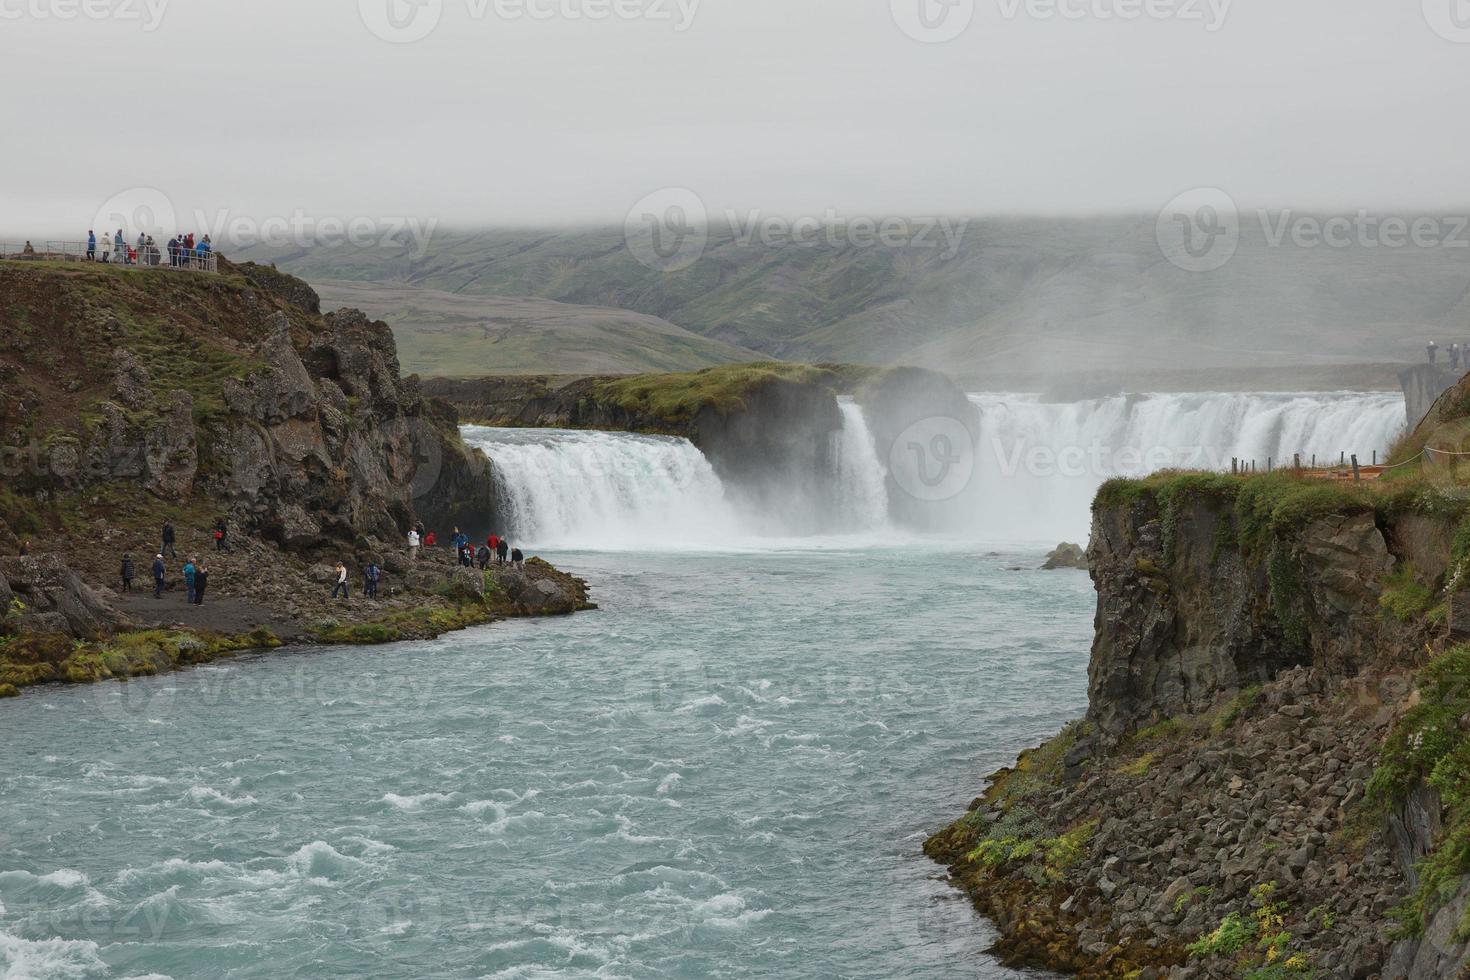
x: 679, y: 398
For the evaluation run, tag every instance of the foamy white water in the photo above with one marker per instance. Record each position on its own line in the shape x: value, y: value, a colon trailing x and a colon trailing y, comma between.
x: 1039, y: 464
x: 862, y: 490
x: 604, y: 490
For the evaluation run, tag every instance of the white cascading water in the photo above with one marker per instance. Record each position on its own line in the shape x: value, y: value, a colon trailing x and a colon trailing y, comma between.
x: 605, y: 490
x: 862, y: 491
x: 1038, y: 465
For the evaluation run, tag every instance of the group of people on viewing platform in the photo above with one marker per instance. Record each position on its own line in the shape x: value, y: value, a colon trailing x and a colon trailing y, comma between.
x: 183, y: 251
x: 195, y: 573
x: 495, y: 549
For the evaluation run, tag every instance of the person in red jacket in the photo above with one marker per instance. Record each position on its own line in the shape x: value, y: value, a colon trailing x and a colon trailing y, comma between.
x: 494, y: 542
x: 429, y: 540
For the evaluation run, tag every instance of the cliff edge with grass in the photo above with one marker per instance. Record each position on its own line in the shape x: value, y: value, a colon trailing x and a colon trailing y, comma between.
x: 1270, y: 780
x: 133, y: 396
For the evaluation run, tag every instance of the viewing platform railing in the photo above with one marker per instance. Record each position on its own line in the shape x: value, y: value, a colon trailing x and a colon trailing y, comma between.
x: 154, y: 256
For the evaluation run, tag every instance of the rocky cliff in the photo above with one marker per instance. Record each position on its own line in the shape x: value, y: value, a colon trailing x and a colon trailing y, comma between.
x: 1256, y: 785
x: 131, y: 397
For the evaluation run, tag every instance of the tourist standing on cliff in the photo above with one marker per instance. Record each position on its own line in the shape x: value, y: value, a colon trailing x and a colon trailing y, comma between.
x: 518, y: 560
x: 341, y: 585
x: 126, y: 573
x: 168, y: 540
x: 484, y: 557
x: 158, y: 570
x: 370, y: 577
x: 91, y: 245
x: 461, y: 546
x: 221, y: 536
x: 119, y: 248
x: 191, y: 571
x: 502, y: 549
x: 201, y: 582
x: 413, y: 543
x: 1433, y: 350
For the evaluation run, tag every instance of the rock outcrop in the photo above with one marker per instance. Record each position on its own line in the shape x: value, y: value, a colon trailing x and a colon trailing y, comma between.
x: 1257, y: 649
x: 48, y: 597
x: 342, y: 448
x: 1185, y: 614
x: 1066, y: 555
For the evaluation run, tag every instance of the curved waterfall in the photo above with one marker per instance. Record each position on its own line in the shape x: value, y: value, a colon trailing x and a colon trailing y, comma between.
x: 605, y: 490
x: 1039, y: 464
x: 1036, y: 467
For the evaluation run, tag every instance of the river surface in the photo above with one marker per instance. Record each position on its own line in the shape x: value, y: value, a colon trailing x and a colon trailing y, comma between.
x: 729, y: 771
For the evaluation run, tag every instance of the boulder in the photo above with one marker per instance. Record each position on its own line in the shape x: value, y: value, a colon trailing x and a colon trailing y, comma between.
x: 55, y: 598
x: 1066, y: 555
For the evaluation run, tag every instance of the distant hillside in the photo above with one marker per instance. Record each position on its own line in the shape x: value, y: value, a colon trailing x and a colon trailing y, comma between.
x: 448, y: 335
x: 1023, y: 296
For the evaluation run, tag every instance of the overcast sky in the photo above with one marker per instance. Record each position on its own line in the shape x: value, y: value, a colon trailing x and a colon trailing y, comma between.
x: 530, y: 114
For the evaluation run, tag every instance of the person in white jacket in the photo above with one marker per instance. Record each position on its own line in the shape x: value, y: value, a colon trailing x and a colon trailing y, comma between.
x: 341, y: 585
x: 413, y: 543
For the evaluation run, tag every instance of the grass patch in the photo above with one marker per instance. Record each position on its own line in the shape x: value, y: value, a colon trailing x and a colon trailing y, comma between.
x: 1429, y: 745
x: 681, y: 397
x: 1404, y: 597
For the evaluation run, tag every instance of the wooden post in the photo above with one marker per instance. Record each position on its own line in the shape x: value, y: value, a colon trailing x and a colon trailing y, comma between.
x: 1357, y: 477
x: 1269, y: 461
x: 1314, y: 461
x: 1342, y: 459
x: 1234, y: 466
x: 1296, y: 462
x: 1375, y: 457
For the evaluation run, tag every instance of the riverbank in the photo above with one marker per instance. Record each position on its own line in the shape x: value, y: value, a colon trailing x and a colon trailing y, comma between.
x: 137, y: 635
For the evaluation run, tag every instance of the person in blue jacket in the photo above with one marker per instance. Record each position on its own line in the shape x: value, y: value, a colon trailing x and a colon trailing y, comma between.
x: 189, y: 570
x: 91, y: 245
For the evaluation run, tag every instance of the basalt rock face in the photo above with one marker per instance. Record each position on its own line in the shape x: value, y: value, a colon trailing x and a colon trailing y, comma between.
x: 1184, y: 616
x: 229, y: 395
x: 926, y: 431
x: 329, y: 443
x: 777, y: 455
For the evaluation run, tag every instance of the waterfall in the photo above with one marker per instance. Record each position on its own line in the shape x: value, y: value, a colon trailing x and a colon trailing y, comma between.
x: 1036, y: 468
x: 1040, y: 463
x: 604, y: 490
x: 861, y: 491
